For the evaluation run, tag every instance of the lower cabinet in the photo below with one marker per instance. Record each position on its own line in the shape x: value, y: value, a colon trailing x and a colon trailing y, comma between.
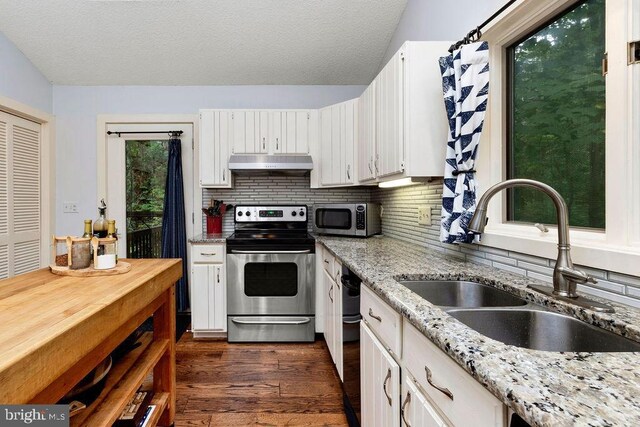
x: 380, y: 382
x: 208, y: 290
x: 332, y: 287
x: 416, y: 411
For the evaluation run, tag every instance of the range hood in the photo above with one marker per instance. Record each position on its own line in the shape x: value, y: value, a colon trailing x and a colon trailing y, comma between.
x: 263, y: 164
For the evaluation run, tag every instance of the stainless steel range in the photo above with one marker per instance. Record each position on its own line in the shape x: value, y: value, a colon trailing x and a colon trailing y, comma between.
x: 270, y: 277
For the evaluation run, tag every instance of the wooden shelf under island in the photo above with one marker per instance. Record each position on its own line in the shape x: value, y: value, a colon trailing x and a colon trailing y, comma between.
x: 56, y: 329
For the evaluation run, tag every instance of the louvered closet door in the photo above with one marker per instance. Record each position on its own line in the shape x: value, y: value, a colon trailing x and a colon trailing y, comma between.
x: 19, y: 195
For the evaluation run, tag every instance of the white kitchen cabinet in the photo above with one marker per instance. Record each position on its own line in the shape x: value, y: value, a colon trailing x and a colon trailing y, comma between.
x: 246, y: 133
x: 215, y: 140
x: 459, y: 397
x: 367, y: 134
x: 333, y: 310
x: 208, y: 290
x: 296, y: 131
x: 411, y: 125
x: 338, y: 136
x: 273, y: 131
x: 379, y: 382
x: 416, y: 410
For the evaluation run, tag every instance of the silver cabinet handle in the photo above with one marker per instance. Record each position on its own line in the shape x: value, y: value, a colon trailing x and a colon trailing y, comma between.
x: 348, y: 172
x: 276, y: 143
x: 378, y: 318
x: 384, y: 385
x: 442, y: 390
x: 218, y: 274
x: 234, y: 251
x: 301, y: 321
x: 402, y: 410
x: 224, y: 174
x: 352, y: 322
x: 264, y: 145
x: 326, y: 261
x: 208, y: 253
x: 330, y: 289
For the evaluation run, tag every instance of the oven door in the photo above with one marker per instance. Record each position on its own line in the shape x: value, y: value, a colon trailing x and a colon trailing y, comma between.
x: 270, y: 282
x: 335, y: 219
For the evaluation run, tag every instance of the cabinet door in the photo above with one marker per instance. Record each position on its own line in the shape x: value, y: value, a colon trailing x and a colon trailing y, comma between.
x: 245, y: 131
x: 200, y: 288
x: 416, y: 411
x: 337, y: 318
x: 337, y: 131
x: 207, y: 149
x: 218, y: 298
x: 326, y: 167
x: 390, y: 117
x: 367, y: 134
x: 275, y: 131
x: 349, y: 141
x: 329, y: 329
x: 379, y: 383
x: 263, y: 139
x: 295, y: 132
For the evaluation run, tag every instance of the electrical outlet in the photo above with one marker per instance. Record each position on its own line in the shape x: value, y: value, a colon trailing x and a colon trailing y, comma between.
x: 70, y: 207
x: 424, y: 215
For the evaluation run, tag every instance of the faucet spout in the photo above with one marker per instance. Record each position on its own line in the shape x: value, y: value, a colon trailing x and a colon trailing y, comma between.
x: 565, y: 276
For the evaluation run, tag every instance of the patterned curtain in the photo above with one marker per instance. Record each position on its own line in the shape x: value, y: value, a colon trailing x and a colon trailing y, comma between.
x: 465, y: 82
x: 174, y: 235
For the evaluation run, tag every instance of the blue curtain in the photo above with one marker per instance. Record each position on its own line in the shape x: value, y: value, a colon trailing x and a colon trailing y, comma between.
x: 465, y: 83
x: 174, y: 235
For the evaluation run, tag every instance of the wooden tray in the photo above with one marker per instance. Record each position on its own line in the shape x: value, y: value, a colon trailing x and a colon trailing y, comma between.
x: 120, y: 268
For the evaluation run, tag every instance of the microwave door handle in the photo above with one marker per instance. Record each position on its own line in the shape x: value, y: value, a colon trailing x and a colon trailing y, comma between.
x: 235, y: 251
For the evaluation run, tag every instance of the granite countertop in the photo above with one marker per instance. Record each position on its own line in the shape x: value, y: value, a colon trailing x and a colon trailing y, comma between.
x: 209, y: 238
x: 545, y: 388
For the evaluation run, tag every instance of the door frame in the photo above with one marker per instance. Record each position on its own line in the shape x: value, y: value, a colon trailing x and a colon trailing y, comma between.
x: 47, y: 168
x: 103, y: 123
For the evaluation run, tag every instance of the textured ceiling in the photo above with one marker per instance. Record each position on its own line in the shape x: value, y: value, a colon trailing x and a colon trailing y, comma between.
x: 202, y: 42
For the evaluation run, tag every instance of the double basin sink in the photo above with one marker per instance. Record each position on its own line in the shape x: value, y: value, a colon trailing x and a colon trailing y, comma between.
x: 507, y: 318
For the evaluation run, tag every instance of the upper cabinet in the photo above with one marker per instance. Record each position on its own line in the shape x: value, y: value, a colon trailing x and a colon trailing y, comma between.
x: 215, y: 141
x: 338, y: 136
x: 411, y: 124
x: 272, y: 132
x: 366, y: 146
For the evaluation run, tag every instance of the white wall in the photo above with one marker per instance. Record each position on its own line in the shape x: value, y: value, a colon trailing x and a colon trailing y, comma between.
x: 76, y: 109
x: 20, y: 80
x: 439, y: 20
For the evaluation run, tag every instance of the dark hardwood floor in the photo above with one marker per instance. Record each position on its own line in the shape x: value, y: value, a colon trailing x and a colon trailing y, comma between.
x: 222, y: 384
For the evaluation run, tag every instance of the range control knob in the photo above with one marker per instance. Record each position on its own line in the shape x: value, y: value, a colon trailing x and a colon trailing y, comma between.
x: 247, y: 213
x: 239, y: 213
x: 293, y: 213
x: 301, y: 213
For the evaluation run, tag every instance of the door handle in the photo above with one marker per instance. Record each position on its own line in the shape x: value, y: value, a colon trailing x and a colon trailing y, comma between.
x: 277, y: 143
x: 402, y: 410
x: 264, y: 145
x: 384, y: 386
x: 218, y: 274
x: 348, y: 171
x: 442, y: 390
x: 330, y: 289
x: 300, y: 321
x: 224, y: 174
x: 234, y: 251
x: 378, y: 318
x: 352, y: 322
x: 208, y: 253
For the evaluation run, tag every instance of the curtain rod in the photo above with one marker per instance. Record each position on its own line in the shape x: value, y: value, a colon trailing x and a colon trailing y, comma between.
x: 475, y: 34
x: 170, y: 132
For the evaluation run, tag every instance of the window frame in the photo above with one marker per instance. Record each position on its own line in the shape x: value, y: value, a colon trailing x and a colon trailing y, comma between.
x: 617, y: 248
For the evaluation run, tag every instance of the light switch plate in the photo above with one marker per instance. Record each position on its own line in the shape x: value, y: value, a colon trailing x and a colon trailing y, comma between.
x: 70, y: 207
x: 424, y: 215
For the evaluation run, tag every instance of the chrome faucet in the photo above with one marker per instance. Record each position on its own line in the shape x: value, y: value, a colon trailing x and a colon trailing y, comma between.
x: 565, y: 275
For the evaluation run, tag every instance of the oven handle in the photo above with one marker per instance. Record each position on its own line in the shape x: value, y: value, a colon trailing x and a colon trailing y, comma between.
x: 352, y: 322
x: 234, y: 251
x: 302, y: 321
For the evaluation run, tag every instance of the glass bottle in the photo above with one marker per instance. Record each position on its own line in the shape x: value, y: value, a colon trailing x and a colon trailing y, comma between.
x: 111, y: 232
x: 87, y: 228
x: 100, y: 224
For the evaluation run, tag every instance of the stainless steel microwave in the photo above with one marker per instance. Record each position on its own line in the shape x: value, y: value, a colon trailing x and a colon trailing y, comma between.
x: 347, y: 219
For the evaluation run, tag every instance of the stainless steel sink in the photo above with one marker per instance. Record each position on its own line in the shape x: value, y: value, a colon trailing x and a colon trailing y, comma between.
x: 542, y: 330
x: 455, y: 293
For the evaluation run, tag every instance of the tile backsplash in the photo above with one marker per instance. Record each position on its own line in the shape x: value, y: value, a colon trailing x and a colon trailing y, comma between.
x: 400, y: 220
x: 277, y: 190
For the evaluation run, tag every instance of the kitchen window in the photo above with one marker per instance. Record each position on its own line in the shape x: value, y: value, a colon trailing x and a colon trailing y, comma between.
x: 584, y: 141
x: 556, y: 108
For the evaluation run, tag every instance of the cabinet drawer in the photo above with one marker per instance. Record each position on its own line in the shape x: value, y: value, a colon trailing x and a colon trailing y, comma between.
x: 327, y: 261
x: 208, y: 253
x: 383, y: 320
x: 470, y: 404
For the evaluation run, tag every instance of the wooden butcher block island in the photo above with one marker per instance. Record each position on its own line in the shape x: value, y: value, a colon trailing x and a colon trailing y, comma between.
x: 54, y: 330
